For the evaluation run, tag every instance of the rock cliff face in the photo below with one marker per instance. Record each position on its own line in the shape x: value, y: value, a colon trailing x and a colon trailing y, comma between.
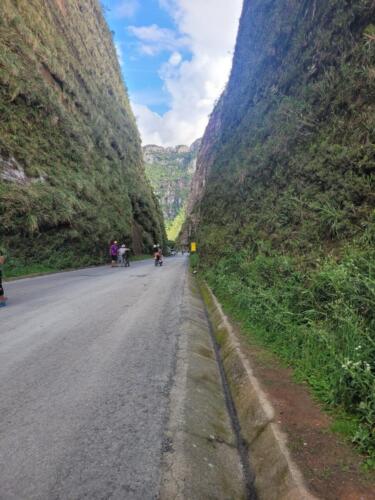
x: 289, y: 148
x: 170, y: 171
x: 283, y: 199
x: 71, y: 166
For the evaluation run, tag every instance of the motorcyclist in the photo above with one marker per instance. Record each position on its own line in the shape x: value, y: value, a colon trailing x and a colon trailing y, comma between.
x: 158, y: 255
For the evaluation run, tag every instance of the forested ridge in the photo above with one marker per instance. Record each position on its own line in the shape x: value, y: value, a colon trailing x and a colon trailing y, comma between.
x: 71, y: 167
x: 170, y: 171
x: 283, y: 198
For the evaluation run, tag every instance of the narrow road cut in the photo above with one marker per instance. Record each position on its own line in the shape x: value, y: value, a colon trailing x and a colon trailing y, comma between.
x: 88, y: 360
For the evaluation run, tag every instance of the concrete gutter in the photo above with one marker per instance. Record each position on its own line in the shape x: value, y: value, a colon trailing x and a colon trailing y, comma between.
x: 200, y: 459
x: 276, y: 475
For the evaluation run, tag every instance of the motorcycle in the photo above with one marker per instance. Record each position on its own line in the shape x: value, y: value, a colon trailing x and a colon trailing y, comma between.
x: 158, y: 260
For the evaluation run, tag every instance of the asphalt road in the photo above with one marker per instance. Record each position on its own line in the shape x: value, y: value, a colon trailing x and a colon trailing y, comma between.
x: 87, y: 360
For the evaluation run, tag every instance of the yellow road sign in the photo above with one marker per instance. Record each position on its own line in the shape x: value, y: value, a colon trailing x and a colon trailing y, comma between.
x: 193, y: 247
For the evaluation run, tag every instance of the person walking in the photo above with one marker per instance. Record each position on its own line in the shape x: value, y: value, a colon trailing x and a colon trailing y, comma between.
x: 127, y: 256
x: 113, y: 252
x: 121, y: 255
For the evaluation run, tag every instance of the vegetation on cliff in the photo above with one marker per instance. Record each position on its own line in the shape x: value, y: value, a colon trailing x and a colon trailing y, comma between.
x: 170, y: 171
x: 286, y: 201
x: 71, y: 166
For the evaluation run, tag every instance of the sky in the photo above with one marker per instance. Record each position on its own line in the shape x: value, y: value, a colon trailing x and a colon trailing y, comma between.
x: 176, y: 57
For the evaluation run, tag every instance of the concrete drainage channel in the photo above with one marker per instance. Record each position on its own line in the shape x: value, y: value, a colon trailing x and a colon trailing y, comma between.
x: 221, y: 440
x: 261, y: 442
x: 243, y: 450
x: 200, y: 460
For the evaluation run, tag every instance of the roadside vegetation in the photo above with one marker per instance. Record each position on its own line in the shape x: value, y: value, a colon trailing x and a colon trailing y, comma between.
x: 287, y: 222
x: 173, y: 227
x: 59, y: 261
x: 320, y: 320
x: 14, y: 268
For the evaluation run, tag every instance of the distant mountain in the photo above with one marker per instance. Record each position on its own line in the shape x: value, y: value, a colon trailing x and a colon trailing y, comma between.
x: 170, y: 171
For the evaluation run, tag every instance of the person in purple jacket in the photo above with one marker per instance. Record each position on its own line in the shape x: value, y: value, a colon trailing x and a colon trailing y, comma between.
x: 113, y: 251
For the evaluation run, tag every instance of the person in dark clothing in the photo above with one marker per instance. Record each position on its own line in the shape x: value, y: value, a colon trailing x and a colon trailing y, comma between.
x: 127, y: 256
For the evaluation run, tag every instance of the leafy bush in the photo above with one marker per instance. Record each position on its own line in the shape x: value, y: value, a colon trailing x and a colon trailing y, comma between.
x: 194, y: 261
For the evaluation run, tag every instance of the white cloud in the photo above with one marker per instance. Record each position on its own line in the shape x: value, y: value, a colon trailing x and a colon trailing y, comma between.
x: 125, y: 9
x: 120, y: 55
x: 208, y: 30
x: 154, y: 39
x: 175, y: 59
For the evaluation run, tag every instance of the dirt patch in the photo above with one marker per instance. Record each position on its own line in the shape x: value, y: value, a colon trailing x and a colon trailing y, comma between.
x: 331, y: 468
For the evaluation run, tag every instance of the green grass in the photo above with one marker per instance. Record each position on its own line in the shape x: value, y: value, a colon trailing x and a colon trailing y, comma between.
x: 31, y: 270
x: 194, y: 261
x: 16, y: 269
x: 174, y: 227
x: 344, y: 425
x: 320, y: 321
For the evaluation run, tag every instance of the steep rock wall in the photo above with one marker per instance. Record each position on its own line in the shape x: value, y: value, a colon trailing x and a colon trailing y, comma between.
x: 290, y: 146
x: 71, y: 167
x: 284, y: 195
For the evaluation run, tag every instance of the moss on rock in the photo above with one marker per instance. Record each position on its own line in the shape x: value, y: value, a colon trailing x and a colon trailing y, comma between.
x: 71, y: 167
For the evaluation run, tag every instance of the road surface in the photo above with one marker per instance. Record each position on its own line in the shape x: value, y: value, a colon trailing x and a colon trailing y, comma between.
x: 87, y: 360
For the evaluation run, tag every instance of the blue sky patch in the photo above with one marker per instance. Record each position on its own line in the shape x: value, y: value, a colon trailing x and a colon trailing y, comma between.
x: 176, y: 57
x: 141, y: 69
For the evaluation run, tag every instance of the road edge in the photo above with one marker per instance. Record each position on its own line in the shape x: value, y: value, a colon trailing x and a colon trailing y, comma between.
x: 277, y: 477
x: 200, y: 458
x: 42, y: 274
